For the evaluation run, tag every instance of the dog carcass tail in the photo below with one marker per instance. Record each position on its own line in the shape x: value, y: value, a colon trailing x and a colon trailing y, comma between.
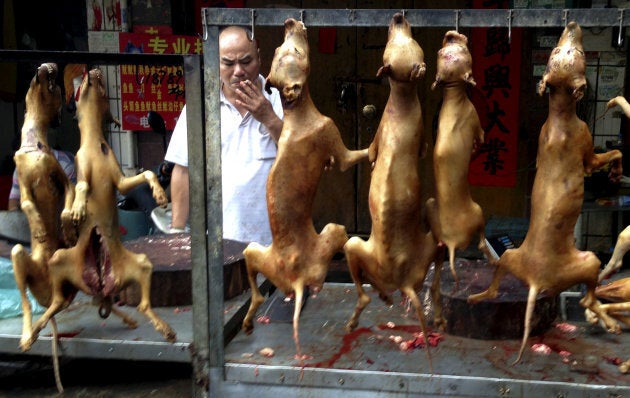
x: 55, y: 354
x: 529, y: 311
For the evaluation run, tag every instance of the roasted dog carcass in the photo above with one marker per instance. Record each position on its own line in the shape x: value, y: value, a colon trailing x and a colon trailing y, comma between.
x: 617, y: 297
x: 400, y: 248
x: 616, y: 261
x: 623, y: 240
x: 454, y: 217
x: 44, y: 190
x: 309, y: 143
x: 618, y: 291
x: 548, y: 259
x: 98, y: 264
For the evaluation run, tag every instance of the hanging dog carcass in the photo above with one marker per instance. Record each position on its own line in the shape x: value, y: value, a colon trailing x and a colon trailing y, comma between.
x: 547, y: 260
x: 46, y: 197
x: 309, y: 143
x: 401, y: 247
x: 615, y: 293
x: 98, y: 264
x: 454, y: 217
x: 623, y: 239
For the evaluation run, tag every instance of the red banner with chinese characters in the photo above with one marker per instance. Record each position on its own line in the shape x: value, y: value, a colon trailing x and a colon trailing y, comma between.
x: 145, y: 88
x: 497, y: 70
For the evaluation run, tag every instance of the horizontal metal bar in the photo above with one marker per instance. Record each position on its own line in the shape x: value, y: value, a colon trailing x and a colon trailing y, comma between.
x: 84, y: 57
x: 103, y: 349
x: 587, y: 17
x: 348, y: 381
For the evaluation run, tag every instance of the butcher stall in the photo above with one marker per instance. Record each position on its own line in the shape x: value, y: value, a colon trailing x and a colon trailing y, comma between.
x: 568, y: 357
x: 367, y: 361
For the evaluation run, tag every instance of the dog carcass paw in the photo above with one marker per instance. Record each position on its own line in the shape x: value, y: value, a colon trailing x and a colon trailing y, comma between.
x: 78, y: 213
x: 70, y: 236
x: 161, y: 200
x: 169, y: 335
x: 40, y: 235
x: 68, y: 229
x: 27, y: 341
x: 613, y: 327
x: 590, y: 316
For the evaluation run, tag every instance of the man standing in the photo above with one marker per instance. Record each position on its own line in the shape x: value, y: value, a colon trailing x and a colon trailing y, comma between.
x: 251, y: 122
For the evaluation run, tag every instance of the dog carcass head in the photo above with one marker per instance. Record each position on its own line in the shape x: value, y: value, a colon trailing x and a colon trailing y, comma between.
x: 403, y: 59
x: 44, y: 95
x: 566, y: 67
x: 92, y: 89
x: 290, y: 66
x: 454, y: 62
x: 92, y: 96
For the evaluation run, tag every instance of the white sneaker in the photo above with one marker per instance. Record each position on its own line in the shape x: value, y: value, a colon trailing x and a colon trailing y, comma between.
x: 175, y: 230
x: 161, y: 217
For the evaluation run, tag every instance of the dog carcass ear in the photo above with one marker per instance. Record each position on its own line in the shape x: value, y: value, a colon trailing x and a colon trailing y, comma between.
x: 542, y: 86
x: 417, y: 72
x: 578, y: 92
x: 384, y: 70
x: 470, y: 79
x: 109, y: 118
x: 268, y: 85
x: 437, y: 82
x: 42, y: 74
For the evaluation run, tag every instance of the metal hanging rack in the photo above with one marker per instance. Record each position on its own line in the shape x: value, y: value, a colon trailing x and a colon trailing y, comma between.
x: 463, y: 18
x: 212, y: 374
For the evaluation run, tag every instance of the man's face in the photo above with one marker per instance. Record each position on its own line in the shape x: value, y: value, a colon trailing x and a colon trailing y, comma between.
x: 238, y: 59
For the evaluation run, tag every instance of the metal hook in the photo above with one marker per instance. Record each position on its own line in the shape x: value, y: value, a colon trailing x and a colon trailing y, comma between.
x: 302, y: 16
x: 205, y: 27
x: 565, y: 17
x: 509, y: 26
x: 619, y: 38
x: 253, y: 17
x: 457, y: 20
x: 352, y: 16
x: 404, y: 13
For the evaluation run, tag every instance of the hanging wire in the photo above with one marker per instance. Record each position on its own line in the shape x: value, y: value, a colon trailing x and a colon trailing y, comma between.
x: 509, y: 26
x: 352, y: 16
x: 620, y: 38
x: 457, y: 20
x: 253, y: 18
x: 205, y: 27
x: 565, y: 17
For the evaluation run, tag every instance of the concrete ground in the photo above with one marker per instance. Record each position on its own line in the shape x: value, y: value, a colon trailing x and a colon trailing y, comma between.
x: 33, y: 377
